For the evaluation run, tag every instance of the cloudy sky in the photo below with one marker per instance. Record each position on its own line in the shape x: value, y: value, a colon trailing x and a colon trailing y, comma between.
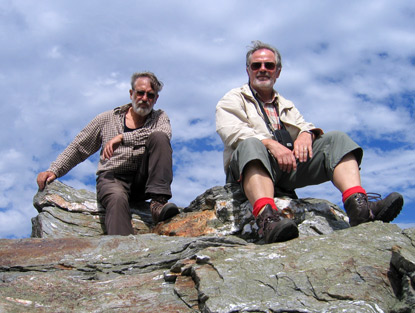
x: 347, y: 65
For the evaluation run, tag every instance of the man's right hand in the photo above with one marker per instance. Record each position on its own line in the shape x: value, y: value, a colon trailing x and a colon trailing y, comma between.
x: 111, y: 146
x: 45, y: 178
x: 284, y: 156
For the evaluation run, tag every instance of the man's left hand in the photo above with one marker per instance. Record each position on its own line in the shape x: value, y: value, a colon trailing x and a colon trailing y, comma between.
x: 111, y: 146
x: 303, y: 146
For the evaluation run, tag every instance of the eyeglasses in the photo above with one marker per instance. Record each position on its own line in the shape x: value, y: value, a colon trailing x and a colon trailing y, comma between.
x: 268, y: 65
x: 141, y: 93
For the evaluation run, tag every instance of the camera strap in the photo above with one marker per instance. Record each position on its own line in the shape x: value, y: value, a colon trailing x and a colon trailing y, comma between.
x: 266, y: 118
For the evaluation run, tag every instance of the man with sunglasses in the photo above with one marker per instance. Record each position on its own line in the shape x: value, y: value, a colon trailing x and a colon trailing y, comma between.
x: 136, y: 157
x: 271, y: 150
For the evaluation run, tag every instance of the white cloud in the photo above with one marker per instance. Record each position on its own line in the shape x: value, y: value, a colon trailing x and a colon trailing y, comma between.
x: 195, y: 172
x: 54, y: 53
x: 385, y: 171
x: 406, y: 225
x: 63, y: 62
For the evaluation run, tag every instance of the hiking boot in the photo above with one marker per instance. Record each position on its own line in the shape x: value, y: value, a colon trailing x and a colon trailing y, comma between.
x: 361, y: 208
x: 275, y: 227
x: 385, y: 210
x: 162, y: 210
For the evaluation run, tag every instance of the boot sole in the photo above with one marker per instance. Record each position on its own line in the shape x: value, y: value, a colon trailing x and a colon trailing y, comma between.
x: 392, y: 210
x: 286, y: 230
x: 168, y: 211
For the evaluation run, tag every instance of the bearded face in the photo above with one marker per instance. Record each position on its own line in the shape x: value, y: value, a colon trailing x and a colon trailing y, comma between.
x: 143, y: 97
x: 262, y: 71
x: 141, y: 107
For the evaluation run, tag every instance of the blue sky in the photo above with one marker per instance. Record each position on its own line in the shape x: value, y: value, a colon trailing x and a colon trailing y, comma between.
x: 347, y: 65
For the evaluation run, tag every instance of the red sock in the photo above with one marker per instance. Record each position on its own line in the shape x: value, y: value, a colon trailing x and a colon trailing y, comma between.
x: 350, y: 191
x: 260, y: 203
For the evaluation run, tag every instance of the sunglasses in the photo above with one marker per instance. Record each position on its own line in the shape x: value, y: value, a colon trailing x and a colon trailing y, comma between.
x: 141, y: 93
x: 268, y: 65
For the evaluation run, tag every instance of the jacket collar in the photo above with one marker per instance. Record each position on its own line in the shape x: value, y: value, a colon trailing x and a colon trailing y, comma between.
x: 282, y: 102
x: 247, y: 91
x: 122, y: 109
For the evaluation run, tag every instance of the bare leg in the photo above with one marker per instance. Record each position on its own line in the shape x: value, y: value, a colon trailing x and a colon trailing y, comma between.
x: 257, y: 182
x: 346, y: 174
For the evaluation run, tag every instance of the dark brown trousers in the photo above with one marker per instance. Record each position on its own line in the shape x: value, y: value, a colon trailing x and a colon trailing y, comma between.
x: 154, y: 177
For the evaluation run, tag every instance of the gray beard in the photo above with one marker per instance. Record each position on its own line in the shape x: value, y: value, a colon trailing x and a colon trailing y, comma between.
x: 141, y: 111
x: 262, y: 84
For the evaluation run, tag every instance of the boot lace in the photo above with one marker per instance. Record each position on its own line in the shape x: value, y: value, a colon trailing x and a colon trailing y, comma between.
x: 373, y: 196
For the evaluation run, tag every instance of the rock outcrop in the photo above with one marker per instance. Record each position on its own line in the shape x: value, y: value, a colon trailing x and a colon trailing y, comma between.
x: 221, y: 210
x: 368, y: 268
x: 217, y: 264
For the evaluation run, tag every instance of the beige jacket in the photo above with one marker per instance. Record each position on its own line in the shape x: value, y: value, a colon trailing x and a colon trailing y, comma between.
x: 238, y: 117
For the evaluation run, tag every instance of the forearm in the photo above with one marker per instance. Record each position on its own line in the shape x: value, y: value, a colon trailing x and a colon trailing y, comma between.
x: 86, y: 143
x: 67, y: 160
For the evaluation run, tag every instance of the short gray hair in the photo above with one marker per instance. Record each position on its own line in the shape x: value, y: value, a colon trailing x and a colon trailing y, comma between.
x: 259, y: 45
x: 155, y: 83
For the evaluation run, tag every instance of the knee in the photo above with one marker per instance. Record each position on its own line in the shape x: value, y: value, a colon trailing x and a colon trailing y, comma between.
x: 336, y: 135
x: 251, y: 144
x: 343, y: 143
x: 253, y: 149
x: 158, y: 138
x: 252, y: 152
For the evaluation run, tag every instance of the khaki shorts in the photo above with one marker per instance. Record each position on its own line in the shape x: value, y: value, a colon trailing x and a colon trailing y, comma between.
x: 328, y: 150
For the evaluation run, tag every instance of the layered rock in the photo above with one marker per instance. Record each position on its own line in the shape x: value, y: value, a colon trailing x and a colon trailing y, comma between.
x: 68, y: 212
x: 368, y: 268
x: 211, y: 261
x: 221, y: 210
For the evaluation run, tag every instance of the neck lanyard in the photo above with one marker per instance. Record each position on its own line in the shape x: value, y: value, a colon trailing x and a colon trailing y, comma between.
x: 266, y: 118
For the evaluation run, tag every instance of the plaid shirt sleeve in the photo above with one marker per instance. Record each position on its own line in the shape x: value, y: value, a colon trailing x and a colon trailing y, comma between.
x: 86, y: 143
x: 99, y: 131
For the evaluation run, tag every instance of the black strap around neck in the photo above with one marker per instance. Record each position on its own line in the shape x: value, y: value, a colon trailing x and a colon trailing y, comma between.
x: 266, y: 118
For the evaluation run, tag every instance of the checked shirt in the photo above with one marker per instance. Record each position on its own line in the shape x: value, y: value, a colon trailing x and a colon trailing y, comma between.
x: 105, y: 126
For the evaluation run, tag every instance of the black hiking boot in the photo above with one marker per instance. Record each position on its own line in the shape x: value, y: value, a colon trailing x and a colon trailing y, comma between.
x: 162, y: 210
x: 361, y: 208
x: 275, y: 227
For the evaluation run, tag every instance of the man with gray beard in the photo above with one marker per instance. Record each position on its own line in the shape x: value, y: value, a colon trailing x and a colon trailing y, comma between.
x: 271, y: 150
x: 135, y: 160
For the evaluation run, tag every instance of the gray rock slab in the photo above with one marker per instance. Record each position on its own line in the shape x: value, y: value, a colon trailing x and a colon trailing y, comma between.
x: 369, y: 268
x: 106, y: 274
x: 347, y: 271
